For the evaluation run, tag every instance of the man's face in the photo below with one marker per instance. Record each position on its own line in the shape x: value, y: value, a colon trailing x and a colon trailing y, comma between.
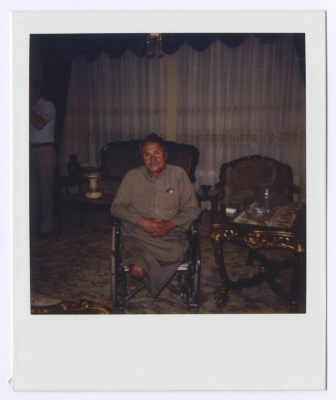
x: 154, y: 157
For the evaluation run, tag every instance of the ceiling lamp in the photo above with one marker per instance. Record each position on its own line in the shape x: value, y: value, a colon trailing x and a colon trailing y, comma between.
x: 154, y: 44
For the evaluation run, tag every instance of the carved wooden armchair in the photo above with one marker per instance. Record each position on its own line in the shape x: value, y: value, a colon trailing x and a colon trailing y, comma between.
x: 117, y: 158
x: 240, y: 178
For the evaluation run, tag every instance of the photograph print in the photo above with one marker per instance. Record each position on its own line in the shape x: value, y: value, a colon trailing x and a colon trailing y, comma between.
x: 167, y: 173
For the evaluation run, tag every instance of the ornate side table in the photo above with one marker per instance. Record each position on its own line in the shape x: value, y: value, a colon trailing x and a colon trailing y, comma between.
x: 83, y: 204
x: 286, y: 230
x: 73, y: 197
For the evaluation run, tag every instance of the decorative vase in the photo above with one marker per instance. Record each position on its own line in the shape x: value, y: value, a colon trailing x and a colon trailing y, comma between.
x: 74, y: 167
x: 259, y: 214
x: 267, y: 195
x: 93, y: 191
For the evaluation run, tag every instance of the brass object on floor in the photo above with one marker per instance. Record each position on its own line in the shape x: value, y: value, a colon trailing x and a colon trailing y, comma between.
x: 75, y: 307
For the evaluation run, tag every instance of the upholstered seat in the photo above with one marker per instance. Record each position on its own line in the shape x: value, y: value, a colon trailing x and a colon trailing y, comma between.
x: 240, y: 178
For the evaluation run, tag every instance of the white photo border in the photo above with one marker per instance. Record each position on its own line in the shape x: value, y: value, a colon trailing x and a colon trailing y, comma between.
x: 178, y: 352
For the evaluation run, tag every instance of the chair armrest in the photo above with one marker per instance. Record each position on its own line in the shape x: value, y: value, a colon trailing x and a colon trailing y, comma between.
x: 220, y: 188
x: 221, y: 198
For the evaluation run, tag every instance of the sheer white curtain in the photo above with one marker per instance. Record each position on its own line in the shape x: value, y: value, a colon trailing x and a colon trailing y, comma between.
x: 112, y: 100
x: 231, y: 102
x: 234, y: 102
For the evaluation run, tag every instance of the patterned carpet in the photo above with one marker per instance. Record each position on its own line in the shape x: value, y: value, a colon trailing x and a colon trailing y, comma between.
x: 75, y: 266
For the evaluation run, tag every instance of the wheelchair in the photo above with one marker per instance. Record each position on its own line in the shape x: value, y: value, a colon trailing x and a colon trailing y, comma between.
x: 188, y: 272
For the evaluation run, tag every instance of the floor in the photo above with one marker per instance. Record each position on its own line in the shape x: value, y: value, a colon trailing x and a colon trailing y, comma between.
x: 76, y: 265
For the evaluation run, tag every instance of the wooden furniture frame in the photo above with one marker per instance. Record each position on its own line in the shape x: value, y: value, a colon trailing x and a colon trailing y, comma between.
x: 117, y: 158
x: 113, y: 153
x: 257, y: 237
x: 229, y: 185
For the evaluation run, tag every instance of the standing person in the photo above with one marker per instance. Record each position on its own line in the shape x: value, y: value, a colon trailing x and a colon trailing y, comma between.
x: 156, y: 203
x: 43, y: 160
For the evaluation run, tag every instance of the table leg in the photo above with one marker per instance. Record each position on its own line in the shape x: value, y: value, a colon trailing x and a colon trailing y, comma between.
x: 218, y: 243
x: 82, y: 214
x: 297, y: 282
x: 214, y: 208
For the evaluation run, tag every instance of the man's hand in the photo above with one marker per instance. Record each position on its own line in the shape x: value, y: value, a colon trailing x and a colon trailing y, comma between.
x: 150, y: 225
x: 165, y: 227
x: 156, y: 227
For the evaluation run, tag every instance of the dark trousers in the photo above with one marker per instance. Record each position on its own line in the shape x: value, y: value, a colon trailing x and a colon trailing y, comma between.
x: 43, y: 163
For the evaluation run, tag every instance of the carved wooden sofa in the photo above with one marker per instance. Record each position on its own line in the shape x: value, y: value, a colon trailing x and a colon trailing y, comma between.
x: 117, y: 158
x: 240, y: 178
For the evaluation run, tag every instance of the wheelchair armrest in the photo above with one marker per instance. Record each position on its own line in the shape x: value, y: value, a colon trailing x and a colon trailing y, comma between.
x: 193, y: 238
x: 193, y: 227
x: 115, y: 239
x: 115, y: 221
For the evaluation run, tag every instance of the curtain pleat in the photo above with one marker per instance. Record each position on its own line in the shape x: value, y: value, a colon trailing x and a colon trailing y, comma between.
x: 235, y: 102
x: 231, y: 102
x: 112, y: 100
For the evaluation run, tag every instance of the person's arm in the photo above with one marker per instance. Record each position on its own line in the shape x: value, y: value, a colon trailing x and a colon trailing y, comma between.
x: 156, y: 227
x: 188, y: 210
x: 121, y: 207
x: 163, y: 227
x: 36, y: 120
x: 47, y: 113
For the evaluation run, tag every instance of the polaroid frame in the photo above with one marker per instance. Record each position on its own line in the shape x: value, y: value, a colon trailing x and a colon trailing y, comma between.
x: 229, y: 352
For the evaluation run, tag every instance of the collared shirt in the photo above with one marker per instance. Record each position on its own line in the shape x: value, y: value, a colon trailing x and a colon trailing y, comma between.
x: 170, y: 197
x: 45, y: 109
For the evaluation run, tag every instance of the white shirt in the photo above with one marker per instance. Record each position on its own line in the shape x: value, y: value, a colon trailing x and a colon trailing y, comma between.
x: 45, y: 109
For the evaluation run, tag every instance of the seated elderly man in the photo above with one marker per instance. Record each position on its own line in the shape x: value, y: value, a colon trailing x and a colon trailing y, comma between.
x: 156, y: 203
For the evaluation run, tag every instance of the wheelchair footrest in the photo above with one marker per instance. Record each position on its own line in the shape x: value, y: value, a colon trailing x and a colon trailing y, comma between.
x: 135, y: 291
x: 183, y: 267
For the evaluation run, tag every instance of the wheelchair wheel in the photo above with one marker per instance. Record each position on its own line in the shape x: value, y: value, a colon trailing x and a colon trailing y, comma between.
x: 194, y: 280
x: 113, y: 267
